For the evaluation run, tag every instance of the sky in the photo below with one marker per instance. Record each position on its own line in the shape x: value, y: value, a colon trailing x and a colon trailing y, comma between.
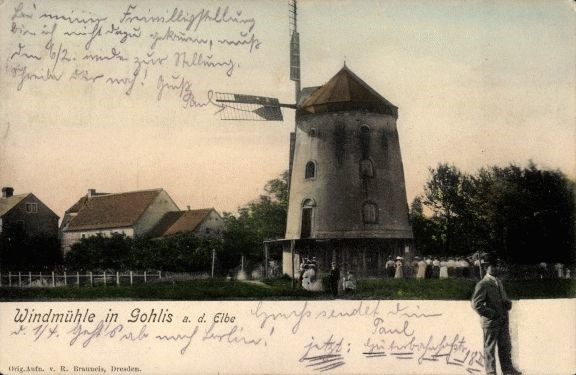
x: 477, y: 83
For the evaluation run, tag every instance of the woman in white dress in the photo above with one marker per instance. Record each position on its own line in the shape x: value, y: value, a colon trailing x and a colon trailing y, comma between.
x: 421, y: 269
x: 399, y: 269
x: 350, y: 283
x: 309, y: 278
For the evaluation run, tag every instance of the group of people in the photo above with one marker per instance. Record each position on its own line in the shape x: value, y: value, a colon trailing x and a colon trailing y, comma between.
x: 347, y: 283
x: 558, y: 272
x: 309, y: 280
x: 431, y: 268
x: 308, y: 270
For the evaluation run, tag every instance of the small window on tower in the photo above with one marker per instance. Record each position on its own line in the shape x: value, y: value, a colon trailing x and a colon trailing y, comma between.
x: 370, y: 213
x: 366, y: 168
x: 310, y: 170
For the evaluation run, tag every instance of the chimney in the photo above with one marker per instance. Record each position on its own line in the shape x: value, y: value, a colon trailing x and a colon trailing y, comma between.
x: 188, y: 208
x: 7, y: 192
x: 91, y: 193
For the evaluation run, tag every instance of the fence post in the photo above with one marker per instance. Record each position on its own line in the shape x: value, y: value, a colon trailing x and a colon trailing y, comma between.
x: 29, y: 278
x: 104, y: 278
x: 0, y: 278
x: 53, y: 281
x: 41, y: 279
x: 144, y: 277
x: 91, y: 279
x: 130, y: 277
x: 19, y: 279
x: 265, y: 260
x: 65, y: 278
x: 159, y: 275
x: 77, y: 278
x: 117, y: 278
x: 213, y: 259
x: 9, y: 278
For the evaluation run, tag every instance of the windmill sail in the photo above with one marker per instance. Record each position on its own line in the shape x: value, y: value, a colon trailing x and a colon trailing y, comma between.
x: 248, y: 107
x: 294, y: 47
x: 295, y: 57
x: 260, y: 108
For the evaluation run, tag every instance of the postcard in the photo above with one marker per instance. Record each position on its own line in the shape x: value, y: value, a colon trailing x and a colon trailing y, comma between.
x: 299, y: 187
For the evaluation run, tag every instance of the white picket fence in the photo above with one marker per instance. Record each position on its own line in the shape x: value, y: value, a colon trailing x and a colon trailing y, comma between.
x: 53, y: 279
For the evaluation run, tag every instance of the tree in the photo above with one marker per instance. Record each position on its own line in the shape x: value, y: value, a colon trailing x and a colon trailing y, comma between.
x: 529, y: 213
x: 525, y: 215
x: 449, y: 193
x: 262, y: 219
x: 428, y: 238
x: 18, y: 250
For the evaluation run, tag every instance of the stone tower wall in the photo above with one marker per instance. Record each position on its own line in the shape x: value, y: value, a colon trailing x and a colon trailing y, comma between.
x: 337, y: 143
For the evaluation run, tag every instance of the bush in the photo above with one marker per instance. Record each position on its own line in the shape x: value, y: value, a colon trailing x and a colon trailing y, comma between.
x: 179, y: 253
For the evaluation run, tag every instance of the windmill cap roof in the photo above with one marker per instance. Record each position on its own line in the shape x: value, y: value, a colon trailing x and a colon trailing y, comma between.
x: 343, y: 92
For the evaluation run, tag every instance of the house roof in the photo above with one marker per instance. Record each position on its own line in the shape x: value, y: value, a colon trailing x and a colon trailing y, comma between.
x: 343, y: 92
x: 6, y: 204
x: 112, y: 210
x: 175, y: 222
x: 81, y: 202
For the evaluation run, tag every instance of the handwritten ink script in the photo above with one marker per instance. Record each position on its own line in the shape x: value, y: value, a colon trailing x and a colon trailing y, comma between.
x: 130, y: 48
x: 322, y: 336
x: 392, y: 333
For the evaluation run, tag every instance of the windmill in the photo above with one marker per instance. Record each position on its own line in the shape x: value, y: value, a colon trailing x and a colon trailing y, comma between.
x: 347, y: 195
x: 240, y: 107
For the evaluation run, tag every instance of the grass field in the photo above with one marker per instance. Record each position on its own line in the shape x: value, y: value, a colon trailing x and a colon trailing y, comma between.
x: 281, y: 289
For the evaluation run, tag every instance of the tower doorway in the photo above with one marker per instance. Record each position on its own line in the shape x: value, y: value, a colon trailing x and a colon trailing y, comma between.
x: 307, y: 215
x: 306, y: 222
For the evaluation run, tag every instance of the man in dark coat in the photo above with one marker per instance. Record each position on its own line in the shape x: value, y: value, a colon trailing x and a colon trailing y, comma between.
x: 334, y: 279
x: 492, y: 304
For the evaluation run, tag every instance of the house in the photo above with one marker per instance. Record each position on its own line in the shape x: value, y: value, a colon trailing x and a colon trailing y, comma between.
x: 133, y: 214
x: 25, y: 214
x: 202, y: 223
x: 28, y: 232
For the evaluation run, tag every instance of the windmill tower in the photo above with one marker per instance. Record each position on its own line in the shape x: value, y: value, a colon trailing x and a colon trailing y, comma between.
x: 347, y: 196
